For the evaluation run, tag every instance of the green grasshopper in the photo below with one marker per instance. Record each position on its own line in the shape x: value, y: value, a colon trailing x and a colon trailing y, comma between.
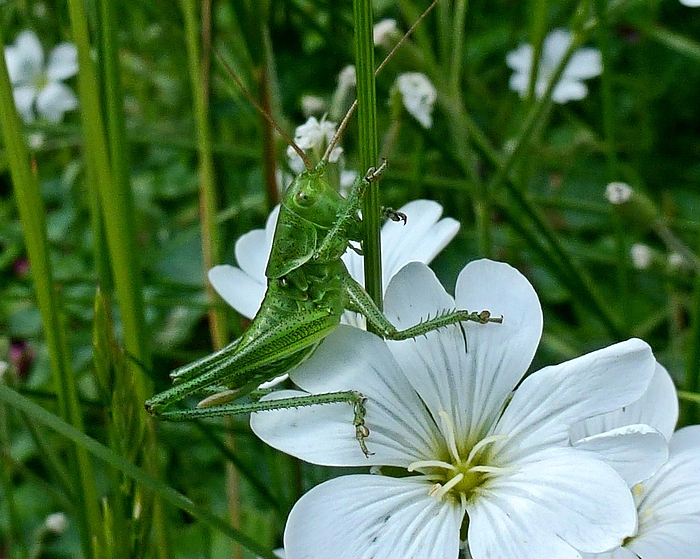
x: 308, y: 289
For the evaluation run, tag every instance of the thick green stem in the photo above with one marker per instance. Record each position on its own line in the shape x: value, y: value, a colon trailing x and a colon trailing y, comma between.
x: 369, y: 145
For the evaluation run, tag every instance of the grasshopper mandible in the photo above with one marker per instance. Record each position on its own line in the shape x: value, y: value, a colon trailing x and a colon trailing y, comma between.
x: 308, y: 289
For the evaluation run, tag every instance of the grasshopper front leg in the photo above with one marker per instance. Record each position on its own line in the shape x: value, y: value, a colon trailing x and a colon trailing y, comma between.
x: 337, y: 235
x: 361, y: 302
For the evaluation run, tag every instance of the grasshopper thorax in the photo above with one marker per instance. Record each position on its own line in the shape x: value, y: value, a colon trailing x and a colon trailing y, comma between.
x: 311, y: 197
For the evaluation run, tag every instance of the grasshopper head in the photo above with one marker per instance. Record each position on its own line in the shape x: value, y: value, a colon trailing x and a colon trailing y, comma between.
x: 311, y: 197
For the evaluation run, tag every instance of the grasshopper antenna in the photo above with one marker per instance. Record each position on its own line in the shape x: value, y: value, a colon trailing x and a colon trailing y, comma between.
x: 268, y: 117
x: 353, y: 107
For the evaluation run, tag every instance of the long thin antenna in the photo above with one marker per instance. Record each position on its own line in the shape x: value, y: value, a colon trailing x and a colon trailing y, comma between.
x: 268, y: 117
x: 353, y: 107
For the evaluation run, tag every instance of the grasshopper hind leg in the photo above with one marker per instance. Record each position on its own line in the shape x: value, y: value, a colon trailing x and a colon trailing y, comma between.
x: 215, y: 407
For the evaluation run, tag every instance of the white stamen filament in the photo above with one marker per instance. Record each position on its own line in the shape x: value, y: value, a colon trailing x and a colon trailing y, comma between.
x: 443, y: 490
x: 430, y: 464
x: 482, y: 443
x: 450, y: 435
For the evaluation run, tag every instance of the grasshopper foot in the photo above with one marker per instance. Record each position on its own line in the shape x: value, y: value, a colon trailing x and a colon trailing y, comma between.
x: 393, y: 215
x: 361, y: 430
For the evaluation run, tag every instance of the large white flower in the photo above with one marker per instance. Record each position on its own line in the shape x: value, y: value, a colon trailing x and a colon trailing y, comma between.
x: 33, y: 84
x: 421, y: 239
x: 584, y: 64
x: 479, y: 459
x: 668, y: 502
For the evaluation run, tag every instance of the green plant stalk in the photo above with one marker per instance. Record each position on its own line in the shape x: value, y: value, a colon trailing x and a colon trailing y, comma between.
x: 107, y: 161
x: 32, y: 215
x: 211, y: 244
x: 101, y: 452
x: 538, y: 30
x: 14, y: 540
x: 369, y: 145
x: 115, y: 194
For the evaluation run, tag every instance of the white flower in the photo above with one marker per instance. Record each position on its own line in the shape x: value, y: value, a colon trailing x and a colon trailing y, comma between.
x: 313, y: 137
x: 386, y: 33
x: 584, y: 64
x: 42, y: 86
x: 668, y: 502
x: 641, y: 256
x: 421, y: 239
x: 690, y: 3
x: 469, y: 445
x: 618, y: 192
x: 419, y: 96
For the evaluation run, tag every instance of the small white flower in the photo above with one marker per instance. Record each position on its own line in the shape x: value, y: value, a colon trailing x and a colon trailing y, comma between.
x: 385, y: 33
x: 690, y: 3
x: 36, y: 86
x: 419, y: 96
x: 421, y: 239
x: 476, y: 452
x: 584, y: 64
x: 641, y: 256
x: 56, y: 523
x: 618, y: 192
x: 313, y: 137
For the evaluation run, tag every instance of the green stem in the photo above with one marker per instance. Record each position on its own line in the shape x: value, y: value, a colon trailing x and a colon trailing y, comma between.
x: 369, y: 145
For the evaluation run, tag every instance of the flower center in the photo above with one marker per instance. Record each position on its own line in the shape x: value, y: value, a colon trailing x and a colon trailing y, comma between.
x: 458, y: 477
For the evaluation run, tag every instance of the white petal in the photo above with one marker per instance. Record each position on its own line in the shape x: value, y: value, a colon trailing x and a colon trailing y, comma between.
x: 519, y: 83
x: 619, y: 553
x: 238, y: 289
x: 658, y: 407
x: 24, y: 96
x: 400, y: 430
x: 584, y: 64
x: 556, y: 499
x: 54, y: 100
x: 253, y: 250
x: 520, y: 59
x: 550, y: 401
x: 421, y: 239
x: 554, y: 47
x: 690, y: 3
x: 25, y: 59
x: 365, y: 517
x: 472, y: 385
x: 63, y: 62
x: 669, y: 503
x: 567, y: 90
x: 634, y: 451
x: 499, y: 354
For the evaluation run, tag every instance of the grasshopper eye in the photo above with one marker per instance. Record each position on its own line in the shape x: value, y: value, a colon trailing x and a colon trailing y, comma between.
x: 303, y: 199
